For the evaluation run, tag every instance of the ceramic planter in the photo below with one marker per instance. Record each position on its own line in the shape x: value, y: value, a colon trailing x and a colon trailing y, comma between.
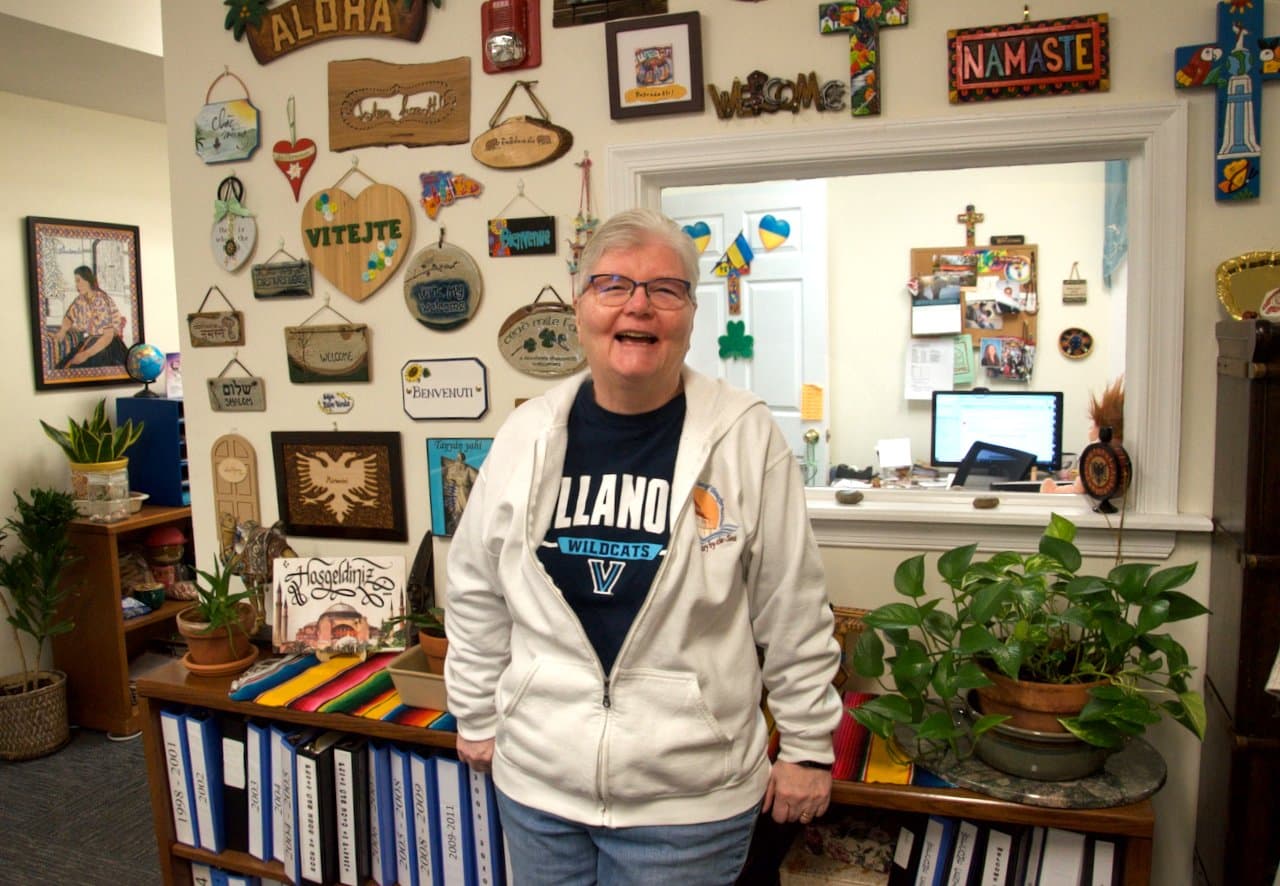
x: 215, y: 648
x: 435, y: 648
x: 1034, y: 706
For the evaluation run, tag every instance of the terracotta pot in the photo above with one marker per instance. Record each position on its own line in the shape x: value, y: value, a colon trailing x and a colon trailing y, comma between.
x: 215, y: 647
x: 1034, y: 706
x: 436, y: 648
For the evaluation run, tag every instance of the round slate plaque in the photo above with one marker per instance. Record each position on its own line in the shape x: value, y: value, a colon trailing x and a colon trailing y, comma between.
x: 541, y: 338
x: 442, y: 286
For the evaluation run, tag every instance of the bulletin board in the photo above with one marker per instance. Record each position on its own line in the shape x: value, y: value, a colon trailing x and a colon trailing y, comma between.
x: 998, y: 292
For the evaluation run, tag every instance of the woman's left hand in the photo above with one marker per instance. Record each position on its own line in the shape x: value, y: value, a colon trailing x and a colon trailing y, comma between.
x: 797, y: 793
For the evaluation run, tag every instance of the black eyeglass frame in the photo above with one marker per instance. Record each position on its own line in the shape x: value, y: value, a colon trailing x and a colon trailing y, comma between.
x: 688, y: 298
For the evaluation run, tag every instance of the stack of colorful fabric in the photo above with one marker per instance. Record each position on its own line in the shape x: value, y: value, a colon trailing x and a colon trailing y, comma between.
x: 341, y: 685
x: 863, y: 756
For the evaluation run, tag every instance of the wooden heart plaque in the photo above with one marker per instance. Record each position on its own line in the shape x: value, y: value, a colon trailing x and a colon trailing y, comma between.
x: 357, y: 243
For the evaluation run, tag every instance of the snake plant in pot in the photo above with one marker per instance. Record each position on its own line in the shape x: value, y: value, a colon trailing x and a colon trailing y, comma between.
x: 1011, y: 622
x: 96, y: 453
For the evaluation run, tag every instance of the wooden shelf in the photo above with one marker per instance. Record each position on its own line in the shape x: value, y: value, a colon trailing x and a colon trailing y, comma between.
x: 96, y: 653
x: 167, y: 611
x: 171, y: 683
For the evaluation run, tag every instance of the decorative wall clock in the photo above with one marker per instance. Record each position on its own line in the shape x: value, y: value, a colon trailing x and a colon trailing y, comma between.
x: 226, y: 130
x: 357, y: 242
x: 442, y: 286
x: 235, y: 230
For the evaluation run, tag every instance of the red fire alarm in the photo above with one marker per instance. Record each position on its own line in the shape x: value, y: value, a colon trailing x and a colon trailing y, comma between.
x: 511, y: 32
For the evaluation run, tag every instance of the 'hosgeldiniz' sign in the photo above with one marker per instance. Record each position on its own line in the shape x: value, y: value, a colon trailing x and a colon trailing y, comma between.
x: 1029, y: 58
x: 280, y: 30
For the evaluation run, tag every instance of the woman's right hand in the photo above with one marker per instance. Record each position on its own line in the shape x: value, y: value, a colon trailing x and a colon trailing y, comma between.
x: 476, y: 754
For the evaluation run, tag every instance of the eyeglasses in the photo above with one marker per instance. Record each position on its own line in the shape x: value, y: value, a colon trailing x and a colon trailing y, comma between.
x: 665, y: 293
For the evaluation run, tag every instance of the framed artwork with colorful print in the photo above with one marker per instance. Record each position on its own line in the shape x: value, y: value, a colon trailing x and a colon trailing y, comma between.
x: 86, y: 301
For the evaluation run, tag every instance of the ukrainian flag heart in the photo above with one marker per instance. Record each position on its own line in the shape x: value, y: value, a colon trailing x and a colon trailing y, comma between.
x: 700, y: 234
x: 774, y: 232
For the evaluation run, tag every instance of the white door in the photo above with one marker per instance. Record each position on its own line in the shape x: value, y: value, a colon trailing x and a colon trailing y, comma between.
x: 783, y: 298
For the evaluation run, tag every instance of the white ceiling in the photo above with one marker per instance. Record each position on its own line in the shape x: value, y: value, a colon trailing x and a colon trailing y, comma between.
x: 104, y: 54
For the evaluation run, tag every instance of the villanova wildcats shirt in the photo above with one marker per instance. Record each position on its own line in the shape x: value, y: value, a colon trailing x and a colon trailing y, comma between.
x: 611, y: 523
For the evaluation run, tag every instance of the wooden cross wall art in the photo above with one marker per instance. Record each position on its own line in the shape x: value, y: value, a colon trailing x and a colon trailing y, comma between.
x: 373, y: 103
x: 297, y: 23
x: 861, y: 21
x: 1235, y: 65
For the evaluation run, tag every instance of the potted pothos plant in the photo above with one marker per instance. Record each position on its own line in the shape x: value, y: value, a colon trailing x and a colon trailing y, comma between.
x: 429, y: 623
x: 1011, y: 622
x: 219, y: 625
x: 33, y: 704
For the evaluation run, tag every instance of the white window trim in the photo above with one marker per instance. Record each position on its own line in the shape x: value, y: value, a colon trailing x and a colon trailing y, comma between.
x: 1152, y: 137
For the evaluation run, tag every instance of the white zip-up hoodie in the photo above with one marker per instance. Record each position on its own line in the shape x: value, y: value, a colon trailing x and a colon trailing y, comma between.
x: 674, y: 734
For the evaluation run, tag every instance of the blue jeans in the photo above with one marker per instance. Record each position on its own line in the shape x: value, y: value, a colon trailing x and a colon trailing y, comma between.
x: 549, y: 851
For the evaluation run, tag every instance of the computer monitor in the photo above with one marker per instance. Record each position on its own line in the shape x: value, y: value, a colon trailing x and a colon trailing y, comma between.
x: 1026, y: 420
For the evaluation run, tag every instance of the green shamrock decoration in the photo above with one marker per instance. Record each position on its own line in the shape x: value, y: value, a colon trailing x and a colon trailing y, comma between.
x: 530, y: 345
x: 736, y: 343
x: 548, y: 338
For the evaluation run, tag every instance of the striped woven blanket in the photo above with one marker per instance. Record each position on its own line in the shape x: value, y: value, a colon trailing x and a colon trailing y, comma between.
x: 341, y: 685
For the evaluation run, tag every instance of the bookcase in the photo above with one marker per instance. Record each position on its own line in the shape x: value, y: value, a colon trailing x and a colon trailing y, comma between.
x: 172, y: 684
x: 1131, y: 825
x: 96, y: 653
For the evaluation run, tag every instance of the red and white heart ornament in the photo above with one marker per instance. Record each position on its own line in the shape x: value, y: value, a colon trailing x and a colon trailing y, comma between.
x: 294, y: 156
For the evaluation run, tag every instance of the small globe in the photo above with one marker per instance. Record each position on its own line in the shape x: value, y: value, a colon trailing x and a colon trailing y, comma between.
x: 144, y: 362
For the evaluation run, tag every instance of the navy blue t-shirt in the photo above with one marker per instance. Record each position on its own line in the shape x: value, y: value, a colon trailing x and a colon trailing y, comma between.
x: 611, y: 523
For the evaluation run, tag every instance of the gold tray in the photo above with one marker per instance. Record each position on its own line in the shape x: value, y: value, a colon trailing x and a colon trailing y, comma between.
x: 1250, y: 283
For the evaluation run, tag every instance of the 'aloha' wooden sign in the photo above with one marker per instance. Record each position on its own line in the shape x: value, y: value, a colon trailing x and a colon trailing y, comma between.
x: 297, y: 23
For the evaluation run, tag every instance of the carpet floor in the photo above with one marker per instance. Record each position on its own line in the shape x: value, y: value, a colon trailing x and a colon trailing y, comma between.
x: 80, y: 816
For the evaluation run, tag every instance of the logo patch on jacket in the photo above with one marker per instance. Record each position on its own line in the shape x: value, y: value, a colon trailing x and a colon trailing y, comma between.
x: 714, y: 529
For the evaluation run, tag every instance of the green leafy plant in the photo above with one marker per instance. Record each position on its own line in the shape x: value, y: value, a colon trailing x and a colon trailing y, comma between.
x: 33, y: 573
x: 93, y: 440
x: 429, y: 622
x: 216, y: 604
x: 1035, y: 618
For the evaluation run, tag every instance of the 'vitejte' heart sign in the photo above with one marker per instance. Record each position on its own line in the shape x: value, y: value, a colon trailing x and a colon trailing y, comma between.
x: 357, y: 243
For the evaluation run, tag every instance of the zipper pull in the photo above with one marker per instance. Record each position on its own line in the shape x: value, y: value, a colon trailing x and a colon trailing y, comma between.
x: 605, y: 701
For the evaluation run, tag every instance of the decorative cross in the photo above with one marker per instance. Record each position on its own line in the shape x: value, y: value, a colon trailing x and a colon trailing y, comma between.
x: 970, y: 220
x: 864, y: 44
x: 1236, y: 65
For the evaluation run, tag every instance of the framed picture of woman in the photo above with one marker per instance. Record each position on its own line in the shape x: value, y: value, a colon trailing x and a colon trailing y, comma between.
x: 86, y: 301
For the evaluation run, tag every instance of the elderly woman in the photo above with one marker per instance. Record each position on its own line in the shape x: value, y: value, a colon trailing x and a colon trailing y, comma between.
x: 634, y: 535
x: 94, y: 324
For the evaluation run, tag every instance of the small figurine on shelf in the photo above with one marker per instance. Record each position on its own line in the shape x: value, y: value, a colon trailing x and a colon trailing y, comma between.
x: 166, y: 546
x: 1106, y: 411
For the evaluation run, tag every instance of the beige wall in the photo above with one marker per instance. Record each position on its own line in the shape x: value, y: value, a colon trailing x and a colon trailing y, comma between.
x: 779, y: 37
x: 65, y: 162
